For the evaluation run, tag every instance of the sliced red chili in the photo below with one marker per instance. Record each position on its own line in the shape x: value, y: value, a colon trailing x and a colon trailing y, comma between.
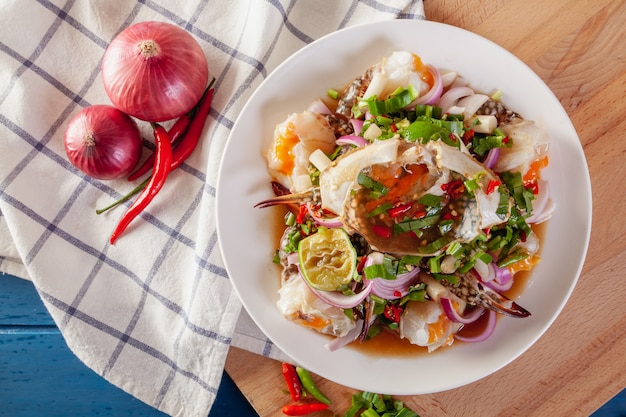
x: 491, y: 186
x: 448, y: 216
x: 455, y: 188
x: 393, y: 312
x: 302, y: 212
x: 468, y: 135
x: 532, y: 186
x: 399, y: 210
x: 361, y: 265
x: 382, y: 231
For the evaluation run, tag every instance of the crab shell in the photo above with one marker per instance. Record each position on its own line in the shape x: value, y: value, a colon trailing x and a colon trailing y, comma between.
x: 431, y: 165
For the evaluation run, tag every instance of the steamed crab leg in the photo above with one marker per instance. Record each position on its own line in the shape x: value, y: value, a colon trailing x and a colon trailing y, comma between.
x: 475, y: 293
x: 283, y: 196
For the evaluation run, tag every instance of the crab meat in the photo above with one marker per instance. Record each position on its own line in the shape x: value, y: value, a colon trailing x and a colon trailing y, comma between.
x: 298, y: 303
x: 424, y: 323
x: 294, y: 141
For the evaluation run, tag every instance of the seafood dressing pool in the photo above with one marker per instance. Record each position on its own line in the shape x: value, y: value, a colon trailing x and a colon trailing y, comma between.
x: 437, y: 187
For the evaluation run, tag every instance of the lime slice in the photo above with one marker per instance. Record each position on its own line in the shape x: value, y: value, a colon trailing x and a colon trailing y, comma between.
x: 327, y: 259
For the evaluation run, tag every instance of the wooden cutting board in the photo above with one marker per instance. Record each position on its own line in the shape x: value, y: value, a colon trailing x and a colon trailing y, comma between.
x: 578, y: 47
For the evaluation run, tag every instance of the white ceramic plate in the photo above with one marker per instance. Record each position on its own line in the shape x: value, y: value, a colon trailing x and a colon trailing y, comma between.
x: 248, y: 239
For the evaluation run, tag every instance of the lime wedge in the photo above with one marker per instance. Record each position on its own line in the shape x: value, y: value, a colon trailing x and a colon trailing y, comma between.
x: 327, y: 259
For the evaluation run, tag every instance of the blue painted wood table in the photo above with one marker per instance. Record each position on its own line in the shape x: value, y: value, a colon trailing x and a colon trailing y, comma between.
x: 39, y: 375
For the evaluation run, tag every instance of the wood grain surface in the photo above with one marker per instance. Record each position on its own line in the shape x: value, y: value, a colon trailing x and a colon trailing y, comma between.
x: 578, y: 47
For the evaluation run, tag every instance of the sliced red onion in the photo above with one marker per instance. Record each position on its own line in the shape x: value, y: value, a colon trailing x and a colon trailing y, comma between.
x: 389, y: 289
x: 454, y: 315
x: 351, y: 140
x: 483, y: 270
x: 547, y: 213
x: 357, y: 125
x: 540, y: 203
x: 492, y: 157
x: 318, y: 106
x: 293, y: 259
x: 450, y: 97
x: 434, y: 93
x: 339, y: 300
x: 484, y: 335
x: 339, y: 342
x: 330, y: 222
x: 472, y: 103
x: 392, y: 289
x: 502, y: 275
x: 496, y: 286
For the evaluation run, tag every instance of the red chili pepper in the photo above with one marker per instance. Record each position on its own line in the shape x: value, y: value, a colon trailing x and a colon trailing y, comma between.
x: 303, y: 409
x: 393, y: 312
x: 394, y: 128
x: 382, y: 231
x: 455, y: 189
x: 189, y: 142
x: 399, y: 210
x: 468, y: 135
x: 176, y: 132
x: 491, y: 187
x: 533, y: 186
x: 293, y: 382
x: 162, y: 164
x: 361, y: 265
x: 302, y: 212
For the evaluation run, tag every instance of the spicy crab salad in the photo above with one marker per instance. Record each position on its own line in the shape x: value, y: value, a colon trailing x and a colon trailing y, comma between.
x: 411, y: 204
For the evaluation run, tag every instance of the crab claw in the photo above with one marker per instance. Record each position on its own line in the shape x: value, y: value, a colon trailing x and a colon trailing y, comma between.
x: 304, y: 197
x: 471, y: 290
x: 499, y: 303
x: 283, y: 196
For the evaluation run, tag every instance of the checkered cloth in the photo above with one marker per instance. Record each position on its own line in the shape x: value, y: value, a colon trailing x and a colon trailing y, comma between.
x: 155, y: 313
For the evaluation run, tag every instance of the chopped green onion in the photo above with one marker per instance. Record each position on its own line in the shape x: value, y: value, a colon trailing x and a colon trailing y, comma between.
x: 512, y: 258
x: 332, y: 93
x: 434, y: 264
x: 434, y: 246
x: 380, y: 209
x: 290, y: 219
x: 397, y: 101
x: 445, y: 226
x: 513, y: 181
x: 471, y: 185
x: 455, y: 249
x: 430, y: 200
x: 415, y: 225
x: 371, y: 184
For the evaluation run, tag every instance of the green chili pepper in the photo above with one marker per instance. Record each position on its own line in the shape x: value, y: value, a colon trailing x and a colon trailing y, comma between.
x: 309, y: 385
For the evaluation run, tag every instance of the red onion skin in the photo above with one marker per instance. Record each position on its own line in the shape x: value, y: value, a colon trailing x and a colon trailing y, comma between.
x: 485, y: 334
x: 103, y: 142
x: 159, y: 85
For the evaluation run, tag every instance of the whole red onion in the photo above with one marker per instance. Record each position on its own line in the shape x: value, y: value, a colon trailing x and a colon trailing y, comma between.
x: 103, y: 142
x: 154, y: 71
